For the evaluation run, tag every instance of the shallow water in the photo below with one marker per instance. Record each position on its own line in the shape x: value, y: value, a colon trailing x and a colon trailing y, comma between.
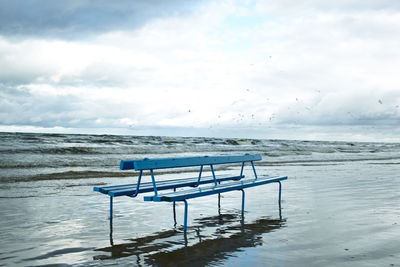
x: 340, y: 206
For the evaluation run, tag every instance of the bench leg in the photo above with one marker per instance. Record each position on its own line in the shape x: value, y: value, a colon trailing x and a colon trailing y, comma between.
x: 219, y: 203
x: 280, y: 209
x: 242, y: 203
x: 280, y: 190
x: 185, y: 219
x: 111, y: 208
x: 111, y: 233
x: 173, y: 205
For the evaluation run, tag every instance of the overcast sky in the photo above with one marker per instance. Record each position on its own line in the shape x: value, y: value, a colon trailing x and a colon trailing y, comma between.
x: 325, y: 70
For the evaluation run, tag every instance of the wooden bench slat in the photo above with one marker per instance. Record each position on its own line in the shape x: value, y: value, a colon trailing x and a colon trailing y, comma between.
x: 147, y: 164
x: 210, y: 190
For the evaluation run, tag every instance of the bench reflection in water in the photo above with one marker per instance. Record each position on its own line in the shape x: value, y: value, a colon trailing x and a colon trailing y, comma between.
x: 195, y: 247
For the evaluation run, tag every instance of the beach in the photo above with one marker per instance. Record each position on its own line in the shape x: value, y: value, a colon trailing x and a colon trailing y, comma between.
x: 340, y: 204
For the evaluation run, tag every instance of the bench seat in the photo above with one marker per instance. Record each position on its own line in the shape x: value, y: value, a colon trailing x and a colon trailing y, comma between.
x: 130, y: 189
x: 215, y: 189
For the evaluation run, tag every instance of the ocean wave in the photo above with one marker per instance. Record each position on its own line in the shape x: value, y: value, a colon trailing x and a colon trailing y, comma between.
x: 35, y: 157
x: 330, y: 161
x: 65, y: 176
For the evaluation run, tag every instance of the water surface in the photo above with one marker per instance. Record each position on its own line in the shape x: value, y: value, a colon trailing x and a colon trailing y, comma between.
x: 340, y: 205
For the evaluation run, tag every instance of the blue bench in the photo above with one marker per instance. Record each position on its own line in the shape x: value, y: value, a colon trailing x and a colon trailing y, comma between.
x: 215, y: 184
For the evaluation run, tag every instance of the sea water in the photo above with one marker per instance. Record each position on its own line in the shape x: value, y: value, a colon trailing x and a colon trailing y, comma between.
x: 340, y: 205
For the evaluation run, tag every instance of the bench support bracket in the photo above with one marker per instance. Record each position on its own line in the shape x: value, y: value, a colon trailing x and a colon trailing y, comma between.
x: 200, y: 172
x: 254, y: 170
x: 213, y: 174
x: 153, y: 181
x: 241, y: 169
x: 138, y: 184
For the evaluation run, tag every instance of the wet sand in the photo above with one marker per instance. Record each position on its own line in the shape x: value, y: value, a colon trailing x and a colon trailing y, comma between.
x: 336, y: 214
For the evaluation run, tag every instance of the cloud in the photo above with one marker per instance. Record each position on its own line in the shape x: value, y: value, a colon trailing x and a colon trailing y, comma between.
x: 238, y: 66
x: 79, y: 18
x: 60, y: 62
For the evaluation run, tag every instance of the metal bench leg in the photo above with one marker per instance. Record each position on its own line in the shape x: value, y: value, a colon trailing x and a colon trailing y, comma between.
x: 174, y: 213
x: 111, y: 233
x: 280, y: 189
x: 173, y: 205
x: 185, y: 219
x: 242, y: 203
x: 111, y: 208
x: 219, y: 203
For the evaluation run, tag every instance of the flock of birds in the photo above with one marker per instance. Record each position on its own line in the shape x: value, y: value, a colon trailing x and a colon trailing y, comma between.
x: 243, y: 117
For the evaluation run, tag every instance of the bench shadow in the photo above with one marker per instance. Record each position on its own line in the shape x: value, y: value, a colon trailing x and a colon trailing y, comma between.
x: 212, y: 240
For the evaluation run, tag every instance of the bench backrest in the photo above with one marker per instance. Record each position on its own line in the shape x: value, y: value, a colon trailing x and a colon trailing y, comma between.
x: 162, y: 163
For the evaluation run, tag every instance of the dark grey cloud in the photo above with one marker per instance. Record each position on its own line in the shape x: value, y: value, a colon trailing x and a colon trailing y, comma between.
x: 77, y: 18
x: 48, y: 107
x: 19, y: 106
